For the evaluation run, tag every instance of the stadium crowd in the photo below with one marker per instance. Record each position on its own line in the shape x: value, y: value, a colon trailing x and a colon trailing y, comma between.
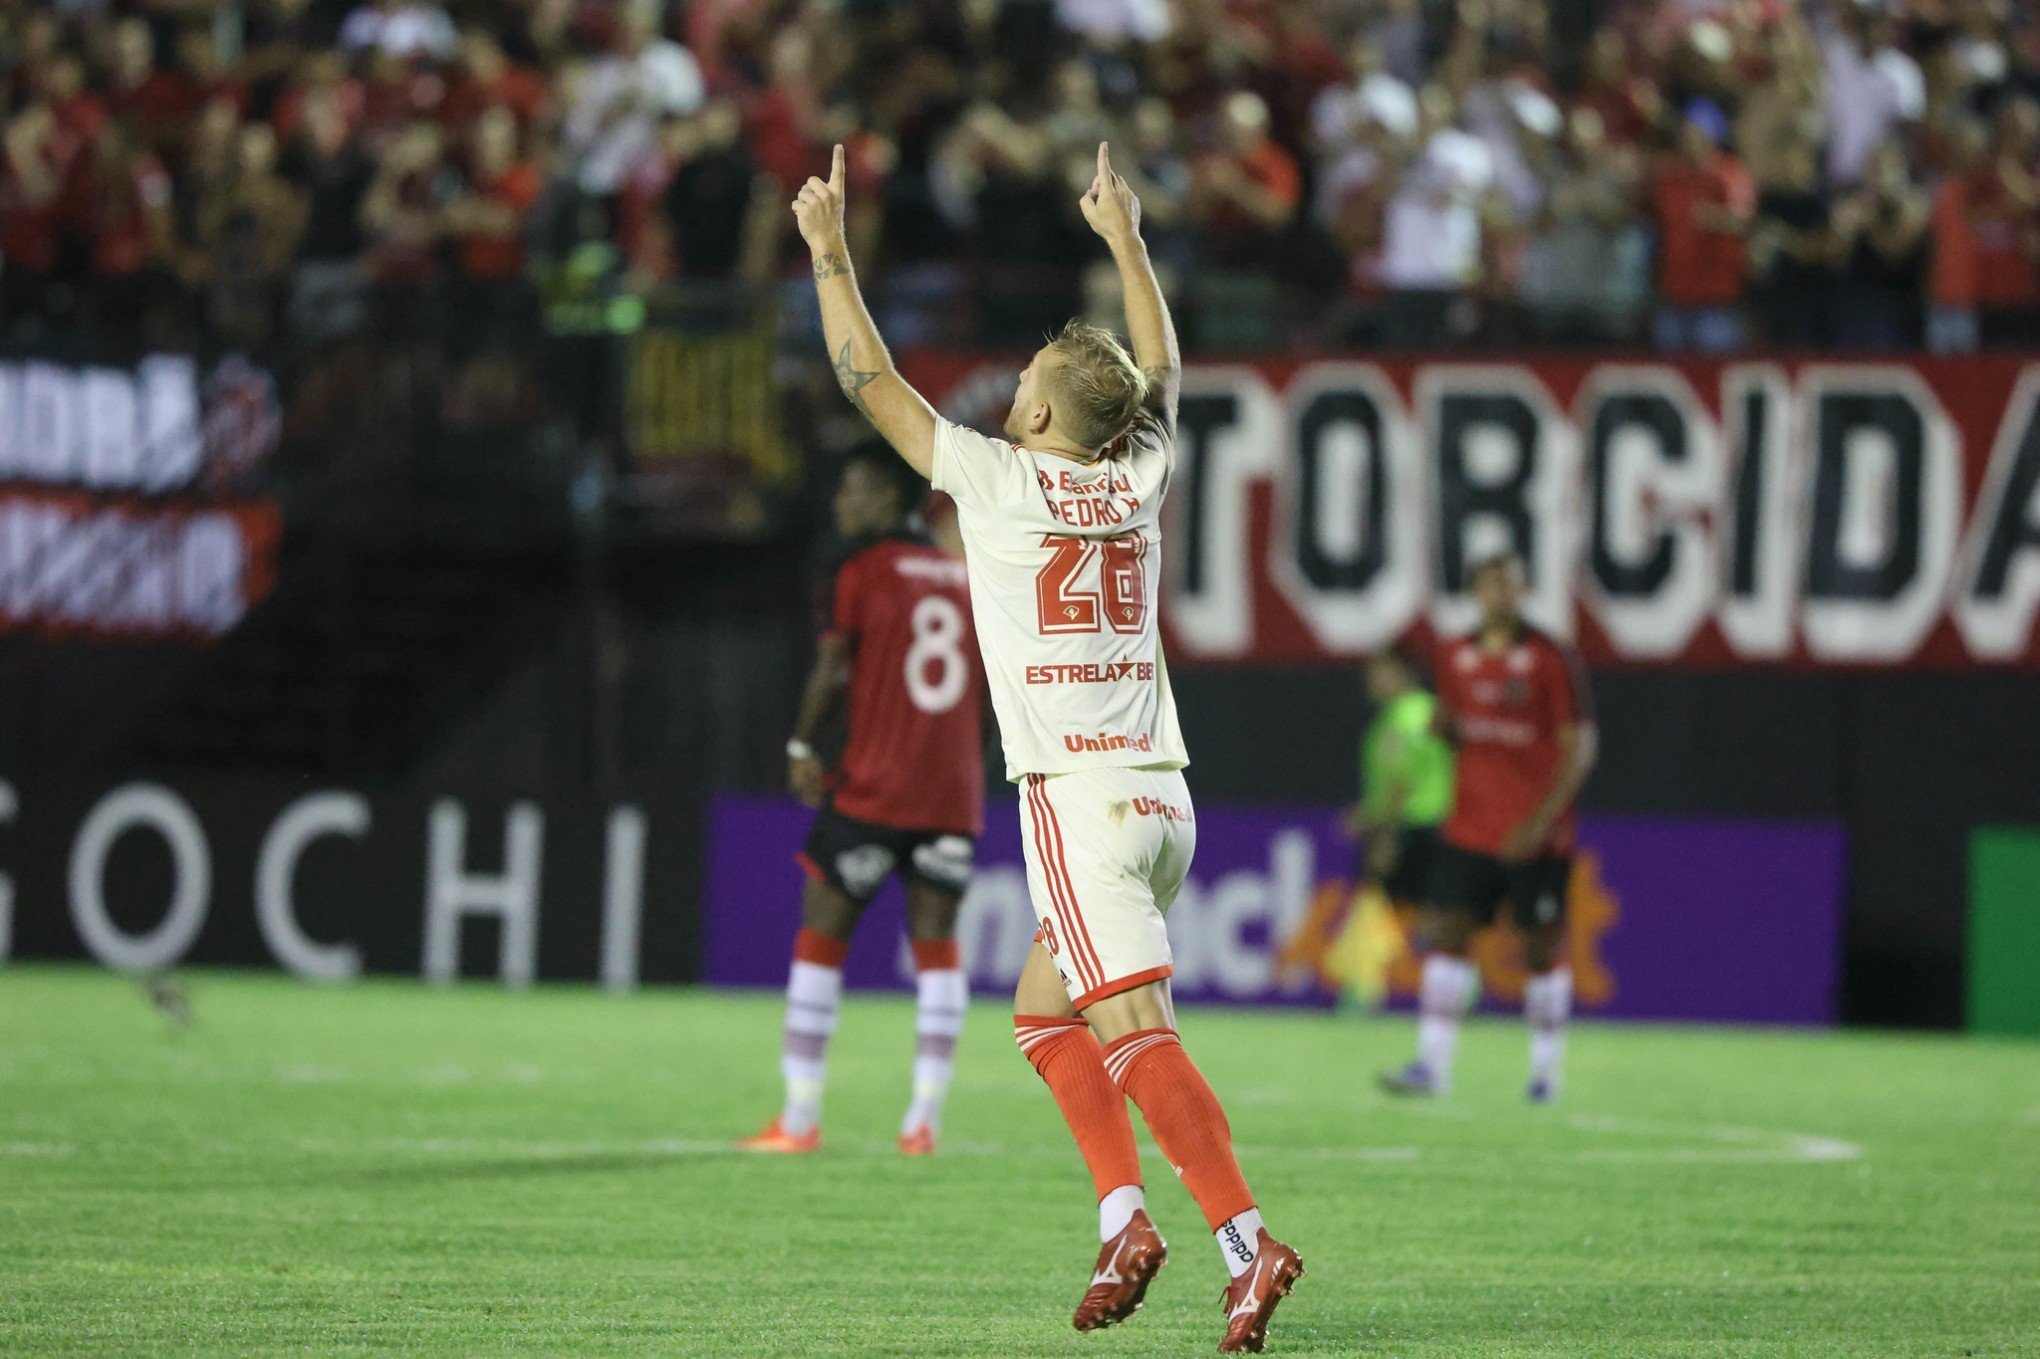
x: 1700, y: 174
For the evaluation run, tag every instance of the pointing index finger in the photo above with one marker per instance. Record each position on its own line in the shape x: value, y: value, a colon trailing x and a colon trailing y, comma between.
x: 836, y: 169
x: 1104, y: 163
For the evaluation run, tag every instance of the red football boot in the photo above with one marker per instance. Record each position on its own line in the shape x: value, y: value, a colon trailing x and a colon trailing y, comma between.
x: 919, y: 1142
x: 777, y: 1140
x: 1250, y: 1299
x: 1126, y: 1265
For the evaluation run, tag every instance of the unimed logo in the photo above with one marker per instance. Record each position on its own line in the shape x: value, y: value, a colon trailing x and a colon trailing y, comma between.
x: 1077, y: 743
x: 1226, y: 927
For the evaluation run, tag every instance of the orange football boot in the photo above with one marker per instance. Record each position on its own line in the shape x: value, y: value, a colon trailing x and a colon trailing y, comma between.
x: 1126, y: 1265
x: 1250, y: 1299
x: 919, y: 1142
x: 779, y: 1141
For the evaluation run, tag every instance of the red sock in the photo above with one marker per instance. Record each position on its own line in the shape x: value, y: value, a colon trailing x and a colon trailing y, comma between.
x: 1069, y: 1059
x: 1189, y: 1126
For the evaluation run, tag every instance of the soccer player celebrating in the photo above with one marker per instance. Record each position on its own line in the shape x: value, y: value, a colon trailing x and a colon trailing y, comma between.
x: 906, y: 798
x: 1517, y: 705
x: 1406, y: 781
x: 1061, y: 529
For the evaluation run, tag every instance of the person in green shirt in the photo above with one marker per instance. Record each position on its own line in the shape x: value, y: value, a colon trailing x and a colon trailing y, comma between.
x: 1405, y: 780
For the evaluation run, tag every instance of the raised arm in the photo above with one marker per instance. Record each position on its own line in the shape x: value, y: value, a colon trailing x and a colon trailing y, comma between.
x: 864, y: 370
x: 1114, y: 213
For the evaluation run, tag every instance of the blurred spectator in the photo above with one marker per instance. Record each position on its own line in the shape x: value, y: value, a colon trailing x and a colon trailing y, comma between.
x: 486, y: 78
x: 403, y: 213
x: 1627, y: 102
x: 1793, y: 249
x: 1107, y: 22
x: 399, y: 28
x: 248, y: 228
x: 1703, y: 200
x: 614, y: 119
x: 1160, y: 173
x: 1585, y: 269
x: 1517, y: 188
x: 1343, y: 116
x: 1432, y: 230
x: 133, y: 230
x: 1003, y: 177
x: 1246, y: 189
x: 1881, y: 240
x: 704, y: 210
x: 327, y: 158
x: 1874, y: 89
x: 1986, y: 236
x: 485, y: 215
x: 1397, y: 27
x: 784, y: 121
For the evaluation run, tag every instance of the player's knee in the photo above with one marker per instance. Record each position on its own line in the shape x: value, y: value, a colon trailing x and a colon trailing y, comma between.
x: 1540, y: 952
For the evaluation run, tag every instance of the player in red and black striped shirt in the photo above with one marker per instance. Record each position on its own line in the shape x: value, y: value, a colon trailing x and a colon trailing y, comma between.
x: 1517, y: 705
x: 905, y: 799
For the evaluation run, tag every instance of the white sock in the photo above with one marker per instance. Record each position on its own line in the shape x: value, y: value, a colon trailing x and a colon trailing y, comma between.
x: 1547, y: 1004
x: 1117, y: 1208
x: 1239, y: 1241
x: 814, y: 994
x: 940, y: 997
x: 1447, y: 989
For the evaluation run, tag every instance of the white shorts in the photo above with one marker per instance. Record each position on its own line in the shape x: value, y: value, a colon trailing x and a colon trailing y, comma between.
x: 1107, y: 851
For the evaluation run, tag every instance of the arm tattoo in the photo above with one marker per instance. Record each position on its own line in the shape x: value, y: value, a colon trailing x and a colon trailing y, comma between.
x: 831, y: 265
x: 853, y: 381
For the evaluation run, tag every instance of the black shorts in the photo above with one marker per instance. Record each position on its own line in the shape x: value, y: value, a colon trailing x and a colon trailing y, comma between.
x: 1416, y: 855
x: 1478, y: 884
x: 856, y: 857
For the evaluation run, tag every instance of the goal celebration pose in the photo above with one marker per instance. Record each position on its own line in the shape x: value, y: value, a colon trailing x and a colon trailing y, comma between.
x: 906, y: 797
x: 1060, y: 523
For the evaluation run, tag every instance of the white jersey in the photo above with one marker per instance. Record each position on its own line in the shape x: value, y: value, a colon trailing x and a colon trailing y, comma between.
x: 1065, y: 575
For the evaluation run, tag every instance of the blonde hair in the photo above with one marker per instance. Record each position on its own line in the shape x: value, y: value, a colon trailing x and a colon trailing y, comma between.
x: 1100, y: 386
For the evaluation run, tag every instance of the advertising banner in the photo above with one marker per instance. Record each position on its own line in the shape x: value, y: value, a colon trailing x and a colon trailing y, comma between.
x: 1730, y: 922
x: 329, y: 883
x: 1697, y: 513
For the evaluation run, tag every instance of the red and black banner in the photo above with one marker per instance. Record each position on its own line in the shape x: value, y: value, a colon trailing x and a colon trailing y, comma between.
x: 123, y: 510
x: 1699, y: 513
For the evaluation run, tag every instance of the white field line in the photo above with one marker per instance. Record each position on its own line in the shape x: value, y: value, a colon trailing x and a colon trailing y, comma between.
x: 1744, y: 1146
x: 1732, y: 1143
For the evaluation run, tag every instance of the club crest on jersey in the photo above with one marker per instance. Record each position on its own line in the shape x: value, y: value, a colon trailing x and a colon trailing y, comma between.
x: 1078, y: 744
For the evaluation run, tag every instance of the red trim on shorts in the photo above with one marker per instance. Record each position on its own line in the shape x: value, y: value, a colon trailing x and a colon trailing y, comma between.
x: 1126, y: 983
x: 1082, y: 943
x: 935, y: 955
x: 823, y: 950
x: 1088, y: 973
x: 810, y: 867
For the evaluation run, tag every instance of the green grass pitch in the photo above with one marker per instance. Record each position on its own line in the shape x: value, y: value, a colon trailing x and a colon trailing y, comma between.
x: 389, y: 1169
